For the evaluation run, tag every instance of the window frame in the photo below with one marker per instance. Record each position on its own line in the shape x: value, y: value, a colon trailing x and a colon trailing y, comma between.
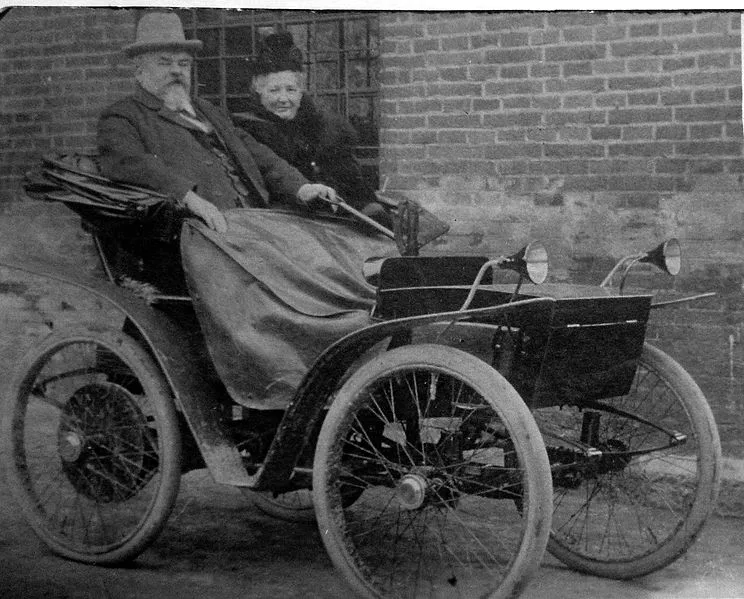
x: 339, y: 98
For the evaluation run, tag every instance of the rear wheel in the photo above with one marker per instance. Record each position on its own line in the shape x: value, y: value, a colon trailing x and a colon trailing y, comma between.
x: 292, y: 506
x: 638, y: 505
x: 92, y: 444
x: 450, y: 480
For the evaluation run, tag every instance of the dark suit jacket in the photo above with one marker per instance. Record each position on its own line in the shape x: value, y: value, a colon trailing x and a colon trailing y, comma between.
x: 143, y: 143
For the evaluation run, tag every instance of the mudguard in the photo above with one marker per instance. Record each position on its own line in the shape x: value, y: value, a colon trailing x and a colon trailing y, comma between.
x: 185, y: 367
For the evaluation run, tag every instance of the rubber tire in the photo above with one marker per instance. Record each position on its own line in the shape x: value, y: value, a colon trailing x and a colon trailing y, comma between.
x: 508, y: 405
x: 275, y: 507
x: 302, y: 510
x: 158, y: 391
x: 681, y: 383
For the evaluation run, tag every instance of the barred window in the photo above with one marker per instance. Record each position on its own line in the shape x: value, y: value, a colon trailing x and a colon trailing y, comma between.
x: 341, y: 53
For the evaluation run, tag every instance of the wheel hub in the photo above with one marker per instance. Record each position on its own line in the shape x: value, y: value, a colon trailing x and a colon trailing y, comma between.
x: 411, y: 491
x: 70, y: 446
x: 104, y: 444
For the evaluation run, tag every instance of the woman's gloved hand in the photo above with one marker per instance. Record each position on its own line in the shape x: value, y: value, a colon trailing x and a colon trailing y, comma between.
x: 313, y: 191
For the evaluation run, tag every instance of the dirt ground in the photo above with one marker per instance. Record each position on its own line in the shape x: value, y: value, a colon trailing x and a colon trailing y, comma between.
x: 217, y: 545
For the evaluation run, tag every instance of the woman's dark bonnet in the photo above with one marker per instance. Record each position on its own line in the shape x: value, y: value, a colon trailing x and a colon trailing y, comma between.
x: 276, y: 53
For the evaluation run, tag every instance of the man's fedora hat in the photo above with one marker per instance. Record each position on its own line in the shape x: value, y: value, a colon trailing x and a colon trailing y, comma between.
x: 160, y: 31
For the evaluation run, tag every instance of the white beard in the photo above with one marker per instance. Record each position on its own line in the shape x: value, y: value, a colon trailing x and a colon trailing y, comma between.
x: 176, y: 98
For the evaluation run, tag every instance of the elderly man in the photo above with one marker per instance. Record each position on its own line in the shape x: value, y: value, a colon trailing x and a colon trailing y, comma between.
x: 191, y: 152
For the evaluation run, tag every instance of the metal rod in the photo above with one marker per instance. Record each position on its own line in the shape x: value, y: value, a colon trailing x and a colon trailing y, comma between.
x: 479, y: 278
x: 608, y: 279
x: 683, y: 299
x: 361, y: 216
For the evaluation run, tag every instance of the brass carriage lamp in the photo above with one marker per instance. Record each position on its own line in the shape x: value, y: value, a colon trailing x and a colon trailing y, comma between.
x: 666, y: 256
x: 530, y: 262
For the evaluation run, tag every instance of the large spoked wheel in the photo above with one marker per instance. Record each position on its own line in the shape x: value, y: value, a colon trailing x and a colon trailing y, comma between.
x: 449, y: 479
x: 638, y: 505
x: 92, y: 447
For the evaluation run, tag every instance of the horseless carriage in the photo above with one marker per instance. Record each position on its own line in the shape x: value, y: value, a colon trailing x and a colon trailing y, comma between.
x: 441, y: 448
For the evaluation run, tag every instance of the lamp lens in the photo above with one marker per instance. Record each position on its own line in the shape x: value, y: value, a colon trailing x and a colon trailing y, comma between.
x: 672, y: 257
x: 536, y: 259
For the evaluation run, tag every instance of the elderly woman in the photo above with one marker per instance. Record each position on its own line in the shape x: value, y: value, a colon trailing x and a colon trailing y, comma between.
x: 318, y: 144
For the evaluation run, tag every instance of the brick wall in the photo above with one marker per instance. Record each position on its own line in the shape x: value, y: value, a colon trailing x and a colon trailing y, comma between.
x: 600, y: 134
x: 574, y: 101
x: 628, y: 112
x: 58, y: 68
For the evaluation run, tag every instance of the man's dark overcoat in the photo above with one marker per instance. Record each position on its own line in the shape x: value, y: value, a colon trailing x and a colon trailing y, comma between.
x: 143, y: 143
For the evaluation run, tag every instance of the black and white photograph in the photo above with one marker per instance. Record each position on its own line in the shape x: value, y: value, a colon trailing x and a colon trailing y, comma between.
x: 320, y: 301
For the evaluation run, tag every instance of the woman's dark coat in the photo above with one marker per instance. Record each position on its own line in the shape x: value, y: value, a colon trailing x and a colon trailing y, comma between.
x: 318, y: 144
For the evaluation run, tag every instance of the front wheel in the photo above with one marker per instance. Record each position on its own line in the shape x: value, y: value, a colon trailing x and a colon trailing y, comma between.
x: 638, y: 505
x: 92, y: 445
x: 450, y: 479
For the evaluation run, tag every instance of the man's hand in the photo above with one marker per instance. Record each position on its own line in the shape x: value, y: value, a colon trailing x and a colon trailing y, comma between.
x: 206, y: 211
x: 311, y: 191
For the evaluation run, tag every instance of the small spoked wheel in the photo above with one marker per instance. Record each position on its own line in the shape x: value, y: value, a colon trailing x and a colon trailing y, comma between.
x: 640, y: 499
x: 92, y: 445
x: 430, y: 479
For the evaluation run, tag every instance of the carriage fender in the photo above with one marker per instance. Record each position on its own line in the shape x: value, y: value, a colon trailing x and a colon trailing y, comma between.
x: 185, y: 367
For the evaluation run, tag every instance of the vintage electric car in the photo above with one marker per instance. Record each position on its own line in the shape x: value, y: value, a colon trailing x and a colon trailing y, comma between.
x: 441, y: 447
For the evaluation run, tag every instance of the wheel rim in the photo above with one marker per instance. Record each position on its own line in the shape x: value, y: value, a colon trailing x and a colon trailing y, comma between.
x: 86, y: 449
x: 439, y: 488
x: 626, y: 504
